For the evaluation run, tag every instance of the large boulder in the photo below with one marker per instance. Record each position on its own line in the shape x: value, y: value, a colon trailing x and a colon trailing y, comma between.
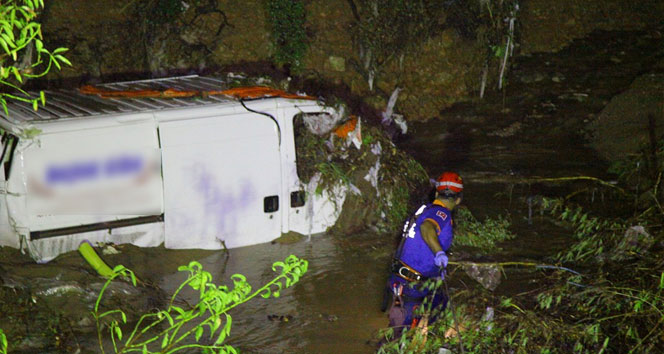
x: 623, y: 128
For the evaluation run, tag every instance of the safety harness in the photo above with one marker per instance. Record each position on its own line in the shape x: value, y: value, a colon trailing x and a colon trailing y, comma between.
x: 405, y: 272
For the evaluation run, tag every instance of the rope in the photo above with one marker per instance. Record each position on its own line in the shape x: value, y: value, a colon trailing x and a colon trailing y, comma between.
x: 524, y: 264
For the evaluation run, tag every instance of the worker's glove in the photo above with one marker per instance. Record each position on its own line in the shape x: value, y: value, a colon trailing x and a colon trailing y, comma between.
x: 443, y: 273
x: 440, y: 259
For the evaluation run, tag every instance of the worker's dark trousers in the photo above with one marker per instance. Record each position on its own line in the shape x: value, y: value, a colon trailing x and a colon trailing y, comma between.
x: 412, y: 299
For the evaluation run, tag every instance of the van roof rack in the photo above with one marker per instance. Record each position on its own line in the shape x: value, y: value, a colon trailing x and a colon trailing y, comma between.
x: 133, y: 97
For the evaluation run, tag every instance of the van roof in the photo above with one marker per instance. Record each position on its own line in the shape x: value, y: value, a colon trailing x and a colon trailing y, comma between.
x: 131, y: 97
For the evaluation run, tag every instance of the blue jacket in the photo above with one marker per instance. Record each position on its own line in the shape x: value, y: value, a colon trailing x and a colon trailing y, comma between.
x: 414, y: 251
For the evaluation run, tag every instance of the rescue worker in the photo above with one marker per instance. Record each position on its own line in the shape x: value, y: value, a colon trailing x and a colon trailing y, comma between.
x: 421, y: 255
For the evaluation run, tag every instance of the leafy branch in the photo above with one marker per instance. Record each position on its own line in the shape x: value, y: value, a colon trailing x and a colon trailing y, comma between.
x: 3, y: 343
x: 20, y: 40
x: 170, y: 327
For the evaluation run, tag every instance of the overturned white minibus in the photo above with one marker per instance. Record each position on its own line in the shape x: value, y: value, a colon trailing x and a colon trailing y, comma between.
x: 177, y: 161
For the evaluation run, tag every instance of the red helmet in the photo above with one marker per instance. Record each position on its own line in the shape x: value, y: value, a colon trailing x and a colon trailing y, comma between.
x: 451, y: 181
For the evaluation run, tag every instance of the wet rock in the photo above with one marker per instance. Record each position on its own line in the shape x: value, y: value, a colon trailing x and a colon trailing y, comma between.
x: 337, y: 63
x: 529, y: 78
x: 636, y: 241
x: 328, y: 317
x: 33, y: 344
x: 109, y: 249
x: 558, y: 77
x: 49, y: 288
x: 622, y: 128
x: 85, y: 322
x: 279, y: 318
x: 487, y: 275
x: 507, y: 131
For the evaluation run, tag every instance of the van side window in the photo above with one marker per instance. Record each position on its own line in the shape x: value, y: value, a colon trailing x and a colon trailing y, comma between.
x: 9, y: 143
x: 309, y: 147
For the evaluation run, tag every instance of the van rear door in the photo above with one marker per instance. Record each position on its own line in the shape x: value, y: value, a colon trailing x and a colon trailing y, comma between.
x: 222, y: 181
x: 93, y: 179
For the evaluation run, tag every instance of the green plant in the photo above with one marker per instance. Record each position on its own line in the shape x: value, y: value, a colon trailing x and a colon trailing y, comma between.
x: 23, y: 55
x: 3, y: 342
x: 287, y: 19
x: 485, y: 234
x: 170, y: 330
x: 331, y: 174
x: 619, y: 299
x: 643, y: 174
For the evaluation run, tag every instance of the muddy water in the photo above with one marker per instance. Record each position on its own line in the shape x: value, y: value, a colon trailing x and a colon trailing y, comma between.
x: 335, y: 307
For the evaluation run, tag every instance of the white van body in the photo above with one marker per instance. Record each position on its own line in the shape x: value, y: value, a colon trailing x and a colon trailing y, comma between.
x: 207, y: 172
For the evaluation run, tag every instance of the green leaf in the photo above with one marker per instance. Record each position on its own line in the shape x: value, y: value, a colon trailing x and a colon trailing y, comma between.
x: 118, y: 331
x: 62, y: 59
x: 226, y: 331
x: 637, y: 305
x: 3, y: 43
x: 199, y: 333
x: 10, y: 32
x: 606, y: 343
x: 3, y: 342
x: 62, y: 50
x: 215, y: 325
x: 164, y: 342
x: 57, y: 65
x: 179, y: 310
x: 42, y: 96
x: 168, y: 317
x: 39, y: 45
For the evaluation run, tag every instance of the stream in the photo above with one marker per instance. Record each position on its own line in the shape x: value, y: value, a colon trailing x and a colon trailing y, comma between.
x: 536, y: 127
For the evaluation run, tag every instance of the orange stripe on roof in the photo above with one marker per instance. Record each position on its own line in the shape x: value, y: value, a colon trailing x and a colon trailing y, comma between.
x: 237, y: 93
x: 261, y: 91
